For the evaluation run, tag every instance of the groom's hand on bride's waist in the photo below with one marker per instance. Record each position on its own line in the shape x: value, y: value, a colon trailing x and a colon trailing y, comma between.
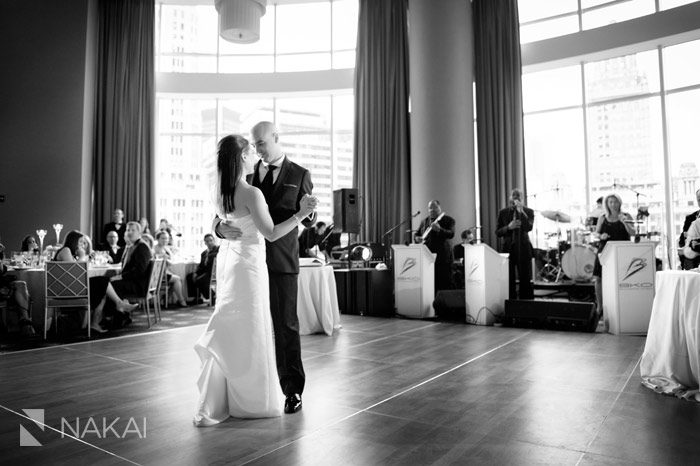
x: 227, y: 231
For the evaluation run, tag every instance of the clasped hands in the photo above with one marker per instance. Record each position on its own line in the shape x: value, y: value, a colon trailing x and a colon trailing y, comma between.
x: 307, y: 206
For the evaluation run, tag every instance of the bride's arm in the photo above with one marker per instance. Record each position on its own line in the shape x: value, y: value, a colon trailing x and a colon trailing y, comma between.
x: 263, y: 222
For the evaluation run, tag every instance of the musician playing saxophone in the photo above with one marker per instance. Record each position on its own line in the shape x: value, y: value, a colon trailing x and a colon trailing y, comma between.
x: 435, y: 232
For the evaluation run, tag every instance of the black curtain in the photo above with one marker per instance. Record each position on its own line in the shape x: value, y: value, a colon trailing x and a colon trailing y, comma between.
x: 381, y: 155
x: 124, y: 111
x: 499, y: 109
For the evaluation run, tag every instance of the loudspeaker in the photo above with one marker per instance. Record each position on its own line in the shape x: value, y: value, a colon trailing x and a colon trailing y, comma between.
x: 563, y: 315
x: 346, y: 210
x: 451, y: 305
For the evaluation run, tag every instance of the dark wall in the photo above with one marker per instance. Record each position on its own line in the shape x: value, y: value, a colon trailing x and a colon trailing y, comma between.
x: 42, y: 87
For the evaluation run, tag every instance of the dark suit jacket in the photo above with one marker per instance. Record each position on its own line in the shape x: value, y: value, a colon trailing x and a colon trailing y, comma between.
x: 206, y: 263
x: 111, y: 226
x: 115, y: 256
x: 439, y: 241
x: 688, y: 220
x: 292, y: 183
x: 135, y: 269
x: 517, y: 240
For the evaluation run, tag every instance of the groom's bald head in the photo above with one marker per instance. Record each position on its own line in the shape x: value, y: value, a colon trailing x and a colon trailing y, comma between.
x: 266, y: 139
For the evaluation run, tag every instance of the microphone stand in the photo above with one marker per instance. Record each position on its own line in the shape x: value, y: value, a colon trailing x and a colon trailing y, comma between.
x: 387, y: 247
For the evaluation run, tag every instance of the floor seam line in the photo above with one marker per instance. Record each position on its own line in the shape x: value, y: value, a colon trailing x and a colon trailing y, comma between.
x: 402, y: 392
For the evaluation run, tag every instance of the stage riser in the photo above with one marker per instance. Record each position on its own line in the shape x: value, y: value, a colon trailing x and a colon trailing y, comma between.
x: 562, y: 315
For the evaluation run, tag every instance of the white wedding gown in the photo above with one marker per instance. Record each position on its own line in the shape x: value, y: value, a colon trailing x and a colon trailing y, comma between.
x: 239, y: 374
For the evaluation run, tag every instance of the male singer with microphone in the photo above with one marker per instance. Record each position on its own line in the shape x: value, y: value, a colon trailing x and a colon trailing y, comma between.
x: 514, y: 223
x: 436, y: 231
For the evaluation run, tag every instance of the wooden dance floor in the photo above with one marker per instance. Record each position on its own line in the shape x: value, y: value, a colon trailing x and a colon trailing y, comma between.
x: 380, y: 391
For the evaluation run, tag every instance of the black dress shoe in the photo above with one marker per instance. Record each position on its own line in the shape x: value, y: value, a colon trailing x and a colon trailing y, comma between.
x: 292, y: 404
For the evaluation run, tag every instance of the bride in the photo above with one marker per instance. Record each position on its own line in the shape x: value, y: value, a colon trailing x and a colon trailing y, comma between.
x: 238, y: 373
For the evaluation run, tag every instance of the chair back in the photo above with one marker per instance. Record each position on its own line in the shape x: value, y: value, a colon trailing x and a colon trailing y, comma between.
x: 212, y: 280
x: 156, y: 267
x: 67, y: 281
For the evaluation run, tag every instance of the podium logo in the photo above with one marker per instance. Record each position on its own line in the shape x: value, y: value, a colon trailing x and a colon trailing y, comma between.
x: 408, y: 264
x: 636, y: 265
x: 26, y: 439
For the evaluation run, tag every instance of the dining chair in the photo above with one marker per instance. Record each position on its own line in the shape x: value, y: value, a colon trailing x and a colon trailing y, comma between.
x: 156, y: 270
x: 67, y: 289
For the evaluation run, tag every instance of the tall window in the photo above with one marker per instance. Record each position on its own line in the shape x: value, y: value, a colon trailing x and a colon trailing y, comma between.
x: 603, y: 132
x: 293, y: 37
x: 315, y: 127
x: 544, y: 19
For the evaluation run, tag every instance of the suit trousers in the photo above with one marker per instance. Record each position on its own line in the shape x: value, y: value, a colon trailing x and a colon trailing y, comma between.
x: 283, y: 306
x: 521, y: 262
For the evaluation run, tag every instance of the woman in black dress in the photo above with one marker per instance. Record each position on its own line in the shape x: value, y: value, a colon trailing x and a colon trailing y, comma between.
x: 614, y: 225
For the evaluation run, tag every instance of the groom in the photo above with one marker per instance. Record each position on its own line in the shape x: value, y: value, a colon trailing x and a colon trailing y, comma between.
x: 283, y: 183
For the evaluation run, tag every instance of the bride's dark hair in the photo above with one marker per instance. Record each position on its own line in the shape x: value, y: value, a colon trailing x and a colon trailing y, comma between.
x: 229, y: 165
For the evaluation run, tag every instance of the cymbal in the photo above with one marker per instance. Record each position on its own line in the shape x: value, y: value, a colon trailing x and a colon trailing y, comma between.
x: 556, y: 216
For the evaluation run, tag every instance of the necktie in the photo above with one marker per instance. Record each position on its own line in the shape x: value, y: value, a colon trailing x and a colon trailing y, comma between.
x: 266, y: 185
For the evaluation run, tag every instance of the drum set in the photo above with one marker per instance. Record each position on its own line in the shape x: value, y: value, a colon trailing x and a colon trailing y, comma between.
x: 570, y: 250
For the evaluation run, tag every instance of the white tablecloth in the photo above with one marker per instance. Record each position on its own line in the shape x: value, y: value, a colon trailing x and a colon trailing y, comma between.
x: 317, y: 301
x: 671, y: 360
x: 182, y: 269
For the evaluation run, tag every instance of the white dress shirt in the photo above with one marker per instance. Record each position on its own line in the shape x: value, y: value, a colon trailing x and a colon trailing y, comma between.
x: 262, y: 171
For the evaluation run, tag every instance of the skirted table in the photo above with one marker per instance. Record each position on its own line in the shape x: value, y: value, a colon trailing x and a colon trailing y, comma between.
x: 671, y: 360
x: 317, y: 300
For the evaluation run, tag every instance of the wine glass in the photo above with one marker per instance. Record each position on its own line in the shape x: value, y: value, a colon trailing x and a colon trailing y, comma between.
x: 57, y: 227
x: 41, y: 233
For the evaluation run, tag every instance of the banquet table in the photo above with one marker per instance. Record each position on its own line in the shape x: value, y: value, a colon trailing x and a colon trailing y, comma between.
x: 671, y: 360
x: 36, y: 285
x: 317, y: 300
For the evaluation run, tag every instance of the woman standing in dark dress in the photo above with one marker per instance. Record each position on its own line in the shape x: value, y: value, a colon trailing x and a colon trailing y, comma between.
x: 614, y: 225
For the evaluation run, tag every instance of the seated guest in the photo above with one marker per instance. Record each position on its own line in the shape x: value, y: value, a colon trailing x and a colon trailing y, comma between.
x: 310, y: 238
x: 166, y: 226
x: 112, y: 247
x: 691, y: 250
x: 458, y: 250
x: 161, y: 249
x: 200, y: 279
x: 133, y: 281
x: 16, y: 294
x: 689, y: 219
x: 145, y: 226
x: 149, y: 240
x: 75, y: 249
x: 117, y: 224
x: 29, y: 244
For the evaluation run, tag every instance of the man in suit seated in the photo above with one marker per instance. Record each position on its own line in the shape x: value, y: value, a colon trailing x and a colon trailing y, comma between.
x: 310, y: 238
x: 686, y: 262
x: 199, y: 280
x: 133, y: 281
x: 112, y: 247
x: 117, y: 224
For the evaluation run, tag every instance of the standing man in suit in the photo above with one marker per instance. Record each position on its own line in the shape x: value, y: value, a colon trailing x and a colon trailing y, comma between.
x: 117, y: 224
x: 436, y: 231
x: 283, y: 183
x: 689, y: 219
x: 514, y: 223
